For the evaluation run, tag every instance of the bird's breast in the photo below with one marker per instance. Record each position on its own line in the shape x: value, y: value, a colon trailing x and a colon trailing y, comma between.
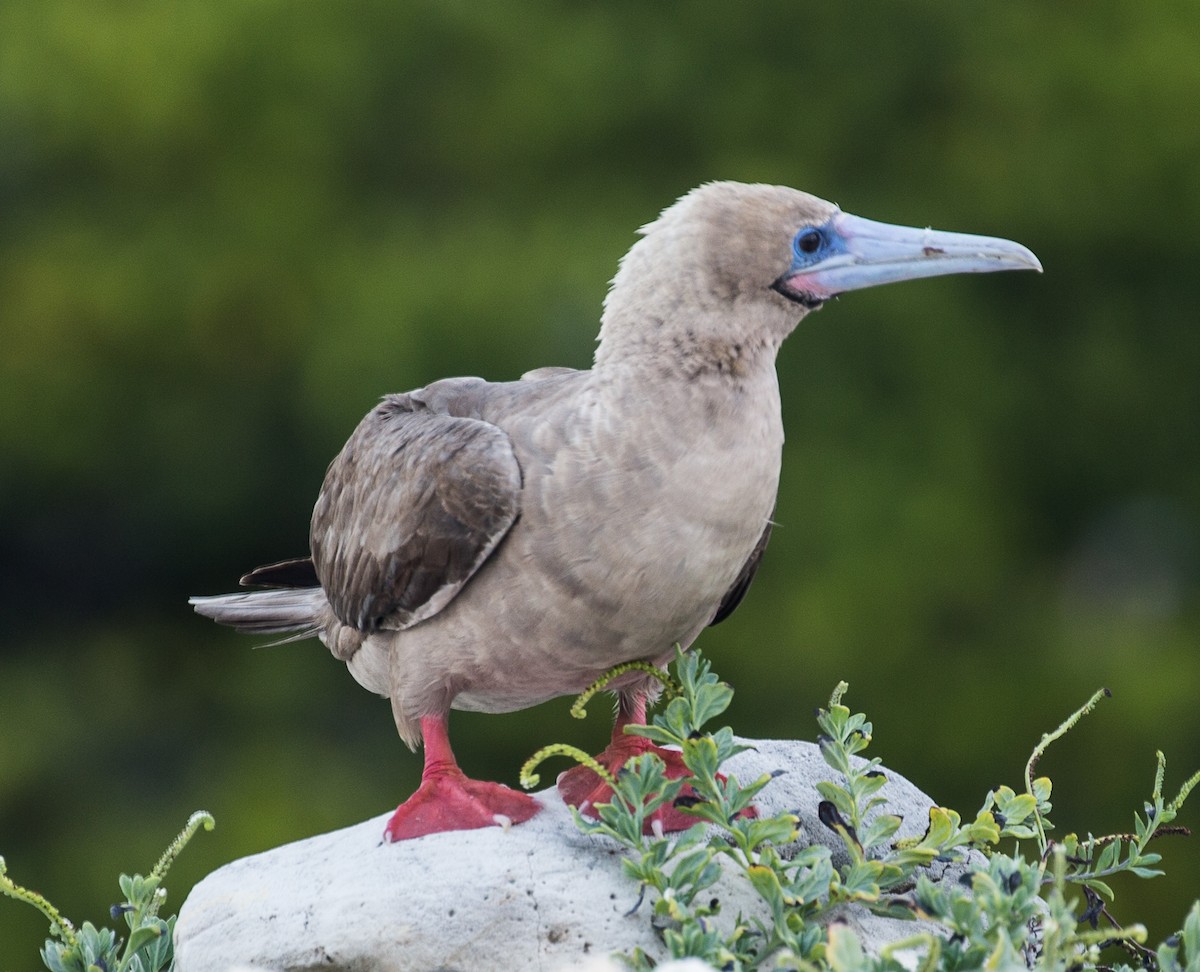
x: 650, y: 504
x: 638, y: 511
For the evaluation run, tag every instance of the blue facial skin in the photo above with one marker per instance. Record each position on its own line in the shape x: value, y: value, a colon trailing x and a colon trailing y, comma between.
x: 811, y: 245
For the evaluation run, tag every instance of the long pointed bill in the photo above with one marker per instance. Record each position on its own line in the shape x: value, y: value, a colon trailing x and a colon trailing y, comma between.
x: 863, y: 253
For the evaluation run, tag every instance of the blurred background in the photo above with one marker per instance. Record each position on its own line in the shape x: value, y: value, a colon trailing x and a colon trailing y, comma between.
x: 227, y: 228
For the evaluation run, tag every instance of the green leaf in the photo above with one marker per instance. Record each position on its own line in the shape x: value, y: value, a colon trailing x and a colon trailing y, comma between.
x: 838, y: 796
x: 659, y: 734
x: 834, y: 753
x: 860, y: 881
x: 811, y: 873
x: 879, y: 830
x: 844, y: 952
x: 125, y: 883
x: 710, y: 811
x: 765, y: 881
x: 984, y: 830
x: 692, y: 872
x: 1108, y: 856
x: 1100, y: 888
x: 769, y: 830
x: 869, y: 781
x: 701, y: 757
x: 140, y: 937
x: 909, y: 858
x: 943, y: 824
x: 738, y: 798
x: 1018, y: 808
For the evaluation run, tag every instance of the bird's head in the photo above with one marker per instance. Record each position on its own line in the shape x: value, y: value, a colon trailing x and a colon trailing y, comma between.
x: 769, y: 254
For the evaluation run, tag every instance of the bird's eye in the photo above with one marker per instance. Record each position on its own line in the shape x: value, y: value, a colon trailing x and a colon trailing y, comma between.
x: 808, y: 241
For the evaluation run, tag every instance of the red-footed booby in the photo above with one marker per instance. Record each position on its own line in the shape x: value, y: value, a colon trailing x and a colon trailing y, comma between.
x: 490, y: 545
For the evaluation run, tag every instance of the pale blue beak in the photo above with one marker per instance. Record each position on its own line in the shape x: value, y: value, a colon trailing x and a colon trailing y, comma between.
x: 849, y: 253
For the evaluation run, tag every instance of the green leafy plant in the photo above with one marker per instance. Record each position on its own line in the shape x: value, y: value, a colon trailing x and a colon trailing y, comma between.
x: 1006, y: 911
x: 149, y: 946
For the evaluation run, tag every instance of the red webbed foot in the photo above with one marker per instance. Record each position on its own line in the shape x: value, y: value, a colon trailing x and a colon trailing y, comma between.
x: 583, y: 788
x: 448, y: 799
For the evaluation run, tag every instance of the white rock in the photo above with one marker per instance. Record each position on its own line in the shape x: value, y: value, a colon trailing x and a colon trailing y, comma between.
x: 539, y: 895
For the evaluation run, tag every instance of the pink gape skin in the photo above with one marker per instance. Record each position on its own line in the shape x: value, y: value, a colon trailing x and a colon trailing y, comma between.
x: 448, y: 799
x: 583, y: 788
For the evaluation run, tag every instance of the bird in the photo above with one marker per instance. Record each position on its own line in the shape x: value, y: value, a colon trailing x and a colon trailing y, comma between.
x: 489, y: 545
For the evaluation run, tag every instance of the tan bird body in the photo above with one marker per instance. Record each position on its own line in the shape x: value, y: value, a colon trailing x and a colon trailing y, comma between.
x: 488, y: 546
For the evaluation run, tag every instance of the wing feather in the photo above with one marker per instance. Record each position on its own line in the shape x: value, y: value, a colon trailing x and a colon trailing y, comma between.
x: 286, y: 573
x: 737, y: 591
x: 411, y: 507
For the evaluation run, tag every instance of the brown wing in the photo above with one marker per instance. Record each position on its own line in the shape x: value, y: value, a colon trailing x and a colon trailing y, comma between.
x: 410, y: 508
x: 733, y: 596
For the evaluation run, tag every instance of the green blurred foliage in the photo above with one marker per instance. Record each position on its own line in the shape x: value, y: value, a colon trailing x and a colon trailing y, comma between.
x: 226, y: 228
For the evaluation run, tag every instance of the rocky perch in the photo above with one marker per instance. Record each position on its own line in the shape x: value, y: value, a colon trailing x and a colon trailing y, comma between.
x: 540, y: 895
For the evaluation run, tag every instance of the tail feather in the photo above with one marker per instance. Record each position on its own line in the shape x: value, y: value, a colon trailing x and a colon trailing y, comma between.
x: 267, y: 612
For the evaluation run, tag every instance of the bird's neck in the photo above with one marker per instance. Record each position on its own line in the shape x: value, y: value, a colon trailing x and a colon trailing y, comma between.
x: 693, y: 345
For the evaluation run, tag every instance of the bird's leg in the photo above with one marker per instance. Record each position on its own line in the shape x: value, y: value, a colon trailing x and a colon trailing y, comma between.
x: 583, y: 788
x: 449, y: 800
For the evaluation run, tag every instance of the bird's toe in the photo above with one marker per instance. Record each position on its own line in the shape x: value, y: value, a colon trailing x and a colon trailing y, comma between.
x: 453, y: 801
